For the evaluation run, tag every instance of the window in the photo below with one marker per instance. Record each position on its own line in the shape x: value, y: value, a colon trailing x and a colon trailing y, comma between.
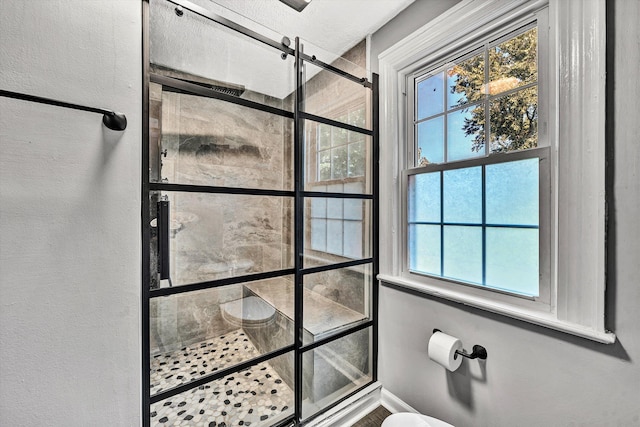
x: 492, y: 92
x: 341, y: 153
x: 478, y: 224
x: 338, y: 165
x: 459, y: 147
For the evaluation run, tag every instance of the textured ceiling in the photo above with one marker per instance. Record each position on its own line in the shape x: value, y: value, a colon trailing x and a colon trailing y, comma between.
x: 334, y: 25
x: 199, y: 46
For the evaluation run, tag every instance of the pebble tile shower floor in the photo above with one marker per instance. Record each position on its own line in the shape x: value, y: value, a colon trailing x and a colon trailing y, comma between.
x: 253, y: 397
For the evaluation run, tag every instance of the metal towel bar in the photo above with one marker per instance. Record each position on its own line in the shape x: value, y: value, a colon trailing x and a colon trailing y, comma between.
x: 111, y: 119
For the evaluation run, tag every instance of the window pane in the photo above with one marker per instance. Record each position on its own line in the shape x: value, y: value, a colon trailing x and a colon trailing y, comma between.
x: 424, y: 197
x: 353, y: 187
x: 424, y: 248
x: 352, y: 245
x: 357, y: 117
x: 462, y: 253
x: 260, y: 396
x: 430, y: 97
x: 463, y: 195
x: 324, y: 136
x: 339, y: 162
x: 465, y: 81
x: 357, y: 158
x: 324, y: 165
x: 352, y: 209
x: 512, y: 193
x: 318, y: 208
x: 513, y: 63
x: 465, y: 133
x: 514, y: 121
x: 319, y: 234
x: 512, y: 260
x: 430, y: 141
x: 340, y: 135
x: 334, y: 208
x: 334, y: 236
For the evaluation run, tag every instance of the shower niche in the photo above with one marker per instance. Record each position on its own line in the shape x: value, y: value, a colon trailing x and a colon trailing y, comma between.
x: 260, y: 256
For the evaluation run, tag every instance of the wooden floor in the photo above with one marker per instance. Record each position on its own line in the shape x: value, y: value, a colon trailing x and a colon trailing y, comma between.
x: 373, y: 418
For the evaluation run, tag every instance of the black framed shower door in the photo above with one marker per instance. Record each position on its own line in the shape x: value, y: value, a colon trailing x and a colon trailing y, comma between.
x: 260, y: 241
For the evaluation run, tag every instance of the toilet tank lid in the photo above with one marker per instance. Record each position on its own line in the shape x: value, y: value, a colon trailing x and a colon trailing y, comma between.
x: 409, y: 419
x: 249, y: 308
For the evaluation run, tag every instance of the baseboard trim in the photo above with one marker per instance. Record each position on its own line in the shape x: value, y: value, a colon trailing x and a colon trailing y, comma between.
x: 352, y: 409
x: 393, y: 403
x: 359, y: 405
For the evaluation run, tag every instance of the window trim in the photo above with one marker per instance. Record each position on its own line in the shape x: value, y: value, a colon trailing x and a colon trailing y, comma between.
x: 576, y: 89
x: 426, y: 69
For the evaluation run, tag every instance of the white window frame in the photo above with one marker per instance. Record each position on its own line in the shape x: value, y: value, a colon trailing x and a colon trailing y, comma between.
x: 314, y: 183
x: 543, y: 301
x: 575, y: 125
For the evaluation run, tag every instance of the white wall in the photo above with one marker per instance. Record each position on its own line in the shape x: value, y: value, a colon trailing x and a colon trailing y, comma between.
x: 70, y: 215
x: 534, y: 376
x: 406, y: 22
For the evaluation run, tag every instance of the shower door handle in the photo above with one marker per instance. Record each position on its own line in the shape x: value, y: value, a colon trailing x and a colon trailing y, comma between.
x: 163, y: 239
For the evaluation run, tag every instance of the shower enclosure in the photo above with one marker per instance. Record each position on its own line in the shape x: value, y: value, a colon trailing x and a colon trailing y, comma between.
x: 260, y: 222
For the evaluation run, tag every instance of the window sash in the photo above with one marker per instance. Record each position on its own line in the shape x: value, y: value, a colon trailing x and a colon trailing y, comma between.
x: 482, y: 47
x: 544, y: 235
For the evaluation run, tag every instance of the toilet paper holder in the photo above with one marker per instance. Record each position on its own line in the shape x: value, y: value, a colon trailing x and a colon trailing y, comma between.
x: 479, y: 352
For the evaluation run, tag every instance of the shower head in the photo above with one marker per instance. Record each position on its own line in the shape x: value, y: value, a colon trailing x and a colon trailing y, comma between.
x: 216, y: 85
x: 233, y: 91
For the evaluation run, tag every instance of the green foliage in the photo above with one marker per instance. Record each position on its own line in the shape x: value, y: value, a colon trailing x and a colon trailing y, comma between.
x: 514, y: 117
x: 342, y: 153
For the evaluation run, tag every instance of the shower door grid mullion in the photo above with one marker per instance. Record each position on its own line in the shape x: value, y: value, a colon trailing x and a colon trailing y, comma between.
x: 298, y: 194
x: 298, y: 173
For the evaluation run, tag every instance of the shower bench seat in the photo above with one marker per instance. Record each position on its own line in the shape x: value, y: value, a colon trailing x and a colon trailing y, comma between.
x: 322, y: 316
x: 328, y: 370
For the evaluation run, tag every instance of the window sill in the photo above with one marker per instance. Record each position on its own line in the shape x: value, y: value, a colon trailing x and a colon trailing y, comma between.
x: 547, y: 320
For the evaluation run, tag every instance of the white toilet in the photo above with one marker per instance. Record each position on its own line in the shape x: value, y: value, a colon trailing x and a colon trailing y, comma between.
x: 408, y: 419
x: 248, y: 312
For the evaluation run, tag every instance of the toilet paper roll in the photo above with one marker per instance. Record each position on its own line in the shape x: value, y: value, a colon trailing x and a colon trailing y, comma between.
x: 442, y: 350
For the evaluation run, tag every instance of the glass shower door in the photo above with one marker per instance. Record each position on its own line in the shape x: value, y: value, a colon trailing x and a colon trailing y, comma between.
x: 338, y: 266
x: 259, y: 291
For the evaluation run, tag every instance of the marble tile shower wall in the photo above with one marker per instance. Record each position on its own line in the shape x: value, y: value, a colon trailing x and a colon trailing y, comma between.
x: 184, y: 319
x: 326, y: 92
x: 342, y: 286
x: 210, y: 142
x: 213, y: 142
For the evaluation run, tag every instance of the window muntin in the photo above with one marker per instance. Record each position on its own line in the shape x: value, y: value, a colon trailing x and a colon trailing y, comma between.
x: 478, y: 224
